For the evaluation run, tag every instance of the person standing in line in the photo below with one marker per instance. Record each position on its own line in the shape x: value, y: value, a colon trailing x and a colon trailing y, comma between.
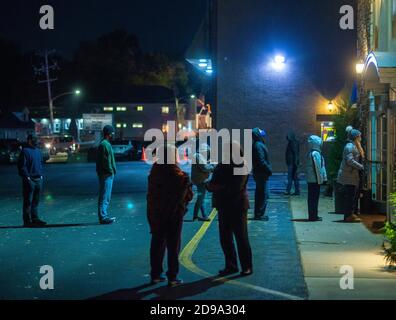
x: 169, y: 192
x: 292, y: 162
x: 316, y: 176
x: 200, y: 172
x: 262, y: 170
x: 106, y: 170
x: 30, y: 169
x: 349, y: 174
x: 231, y: 200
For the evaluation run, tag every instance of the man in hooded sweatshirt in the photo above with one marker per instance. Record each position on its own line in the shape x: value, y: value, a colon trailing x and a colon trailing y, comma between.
x: 292, y: 162
x: 262, y: 170
x: 316, y: 175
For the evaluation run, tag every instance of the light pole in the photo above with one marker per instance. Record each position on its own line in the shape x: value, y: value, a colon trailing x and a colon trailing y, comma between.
x: 51, y: 105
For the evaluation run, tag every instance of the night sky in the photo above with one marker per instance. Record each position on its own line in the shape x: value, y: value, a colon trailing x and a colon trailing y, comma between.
x: 166, y: 26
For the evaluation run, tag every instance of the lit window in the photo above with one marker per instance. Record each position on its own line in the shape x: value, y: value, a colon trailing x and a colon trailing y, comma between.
x: 165, y: 109
x: 137, y: 125
x: 108, y: 109
x: 121, y: 108
x: 57, y: 126
x: 119, y: 125
x: 139, y: 108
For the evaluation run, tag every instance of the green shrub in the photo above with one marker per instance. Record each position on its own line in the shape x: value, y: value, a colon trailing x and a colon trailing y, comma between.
x: 390, y: 234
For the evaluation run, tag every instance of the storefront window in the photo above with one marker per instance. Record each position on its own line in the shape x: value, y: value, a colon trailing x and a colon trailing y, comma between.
x: 328, y: 133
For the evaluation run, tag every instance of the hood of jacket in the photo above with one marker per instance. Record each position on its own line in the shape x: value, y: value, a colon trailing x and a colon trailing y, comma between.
x: 291, y: 136
x: 256, y: 135
x: 315, y: 143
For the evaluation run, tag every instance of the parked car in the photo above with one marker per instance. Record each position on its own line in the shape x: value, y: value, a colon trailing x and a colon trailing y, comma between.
x: 56, y: 144
x: 10, y: 149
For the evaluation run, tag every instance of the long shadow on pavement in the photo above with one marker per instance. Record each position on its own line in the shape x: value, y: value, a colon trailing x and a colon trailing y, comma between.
x: 163, y: 292
x: 48, y: 226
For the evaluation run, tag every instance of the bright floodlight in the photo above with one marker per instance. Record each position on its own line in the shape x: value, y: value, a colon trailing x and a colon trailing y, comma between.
x: 279, y: 59
x: 279, y: 62
x: 77, y: 92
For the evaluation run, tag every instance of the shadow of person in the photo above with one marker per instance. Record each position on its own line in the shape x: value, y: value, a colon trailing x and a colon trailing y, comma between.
x: 164, y: 292
x: 300, y: 220
x: 48, y: 226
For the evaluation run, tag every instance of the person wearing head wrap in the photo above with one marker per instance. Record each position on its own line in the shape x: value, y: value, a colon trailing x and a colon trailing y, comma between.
x: 349, y: 173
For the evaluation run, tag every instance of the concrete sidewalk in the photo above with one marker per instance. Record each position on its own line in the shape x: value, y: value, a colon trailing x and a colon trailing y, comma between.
x: 328, y: 245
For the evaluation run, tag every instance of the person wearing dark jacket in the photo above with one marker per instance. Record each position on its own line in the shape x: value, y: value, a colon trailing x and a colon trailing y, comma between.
x: 106, y: 170
x: 30, y: 169
x: 262, y: 170
x: 292, y: 162
x: 169, y: 192
x: 231, y: 200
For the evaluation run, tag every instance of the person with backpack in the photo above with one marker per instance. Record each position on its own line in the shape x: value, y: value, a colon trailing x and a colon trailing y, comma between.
x: 262, y: 170
x: 316, y: 175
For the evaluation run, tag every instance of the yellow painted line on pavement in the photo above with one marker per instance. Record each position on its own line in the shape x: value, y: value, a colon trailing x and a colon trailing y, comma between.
x: 189, y: 250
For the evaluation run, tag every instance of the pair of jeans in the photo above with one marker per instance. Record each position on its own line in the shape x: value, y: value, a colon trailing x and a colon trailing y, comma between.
x: 31, y: 189
x: 313, y: 200
x: 199, y: 204
x: 261, y: 196
x: 292, y: 176
x: 105, y: 189
x: 349, y: 200
x: 168, y: 237
x: 234, y: 224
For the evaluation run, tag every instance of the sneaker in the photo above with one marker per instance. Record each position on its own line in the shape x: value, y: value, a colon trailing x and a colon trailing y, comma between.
x: 353, y: 218
x: 157, y: 280
x: 38, y: 223
x: 107, y: 221
x: 175, y: 283
x: 246, y: 272
x: 227, y: 272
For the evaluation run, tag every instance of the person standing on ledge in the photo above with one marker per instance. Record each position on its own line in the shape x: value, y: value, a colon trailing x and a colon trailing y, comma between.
x: 106, y: 170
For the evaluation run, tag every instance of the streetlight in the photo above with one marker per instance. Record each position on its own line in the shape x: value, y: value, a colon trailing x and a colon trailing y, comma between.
x: 75, y: 92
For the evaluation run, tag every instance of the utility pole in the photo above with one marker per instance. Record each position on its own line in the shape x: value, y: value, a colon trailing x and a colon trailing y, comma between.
x: 45, y: 69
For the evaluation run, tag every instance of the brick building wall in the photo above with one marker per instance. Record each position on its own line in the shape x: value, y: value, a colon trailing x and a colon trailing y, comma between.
x: 251, y: 93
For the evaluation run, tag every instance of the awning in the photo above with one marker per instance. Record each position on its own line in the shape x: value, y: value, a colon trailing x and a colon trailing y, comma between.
x: 380, y: 71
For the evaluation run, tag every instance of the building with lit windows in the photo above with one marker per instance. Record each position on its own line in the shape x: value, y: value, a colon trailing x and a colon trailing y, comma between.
x: 377, y: 101
x: 272, y: 64
x: 132, y: 111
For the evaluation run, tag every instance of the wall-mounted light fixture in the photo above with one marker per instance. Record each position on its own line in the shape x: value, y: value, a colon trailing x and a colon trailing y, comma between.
x: 359, y: 67
x: 330, y: 106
